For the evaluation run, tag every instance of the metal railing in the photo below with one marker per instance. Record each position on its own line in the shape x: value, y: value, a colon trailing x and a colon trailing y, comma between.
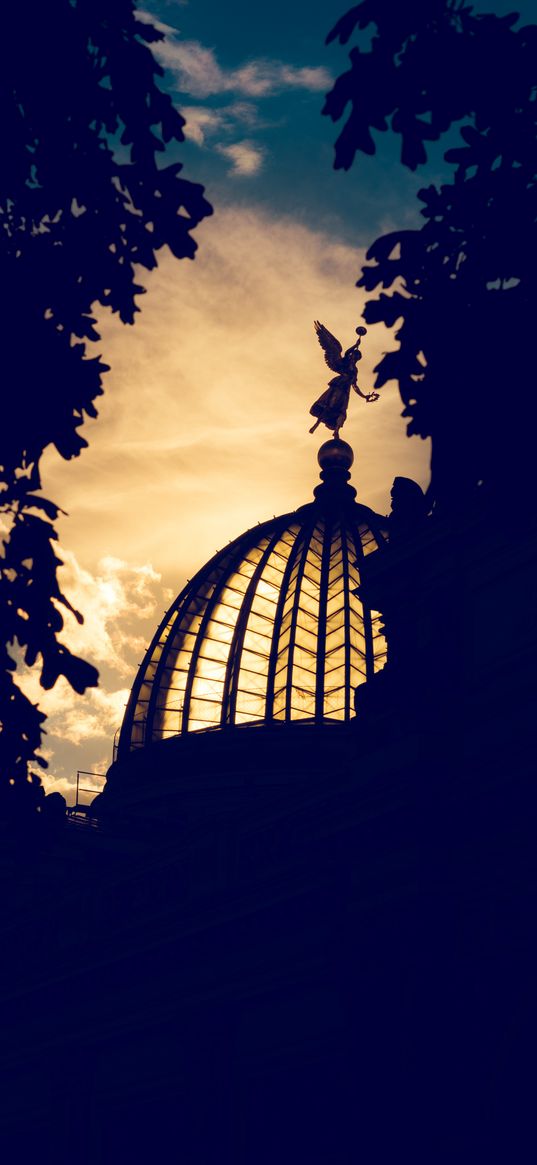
x: 81, y: 805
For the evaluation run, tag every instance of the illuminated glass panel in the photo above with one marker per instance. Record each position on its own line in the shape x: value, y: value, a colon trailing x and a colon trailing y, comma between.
x: 302, y: 680
x: 178, y: 638
x: 207, y: 694
x: 271, y: 629
x: 259, y: 633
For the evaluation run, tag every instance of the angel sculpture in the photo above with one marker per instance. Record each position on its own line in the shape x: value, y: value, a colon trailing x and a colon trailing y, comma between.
x: 331, y: 407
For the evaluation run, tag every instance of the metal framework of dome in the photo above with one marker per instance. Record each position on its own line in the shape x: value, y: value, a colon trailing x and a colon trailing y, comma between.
x: 272, y: 629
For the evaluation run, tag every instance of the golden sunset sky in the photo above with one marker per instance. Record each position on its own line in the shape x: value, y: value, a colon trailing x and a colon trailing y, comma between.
x: 203, y: 432
x: 203, y: 428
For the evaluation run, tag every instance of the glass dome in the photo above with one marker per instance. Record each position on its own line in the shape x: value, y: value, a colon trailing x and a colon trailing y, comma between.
x: 271, y: 629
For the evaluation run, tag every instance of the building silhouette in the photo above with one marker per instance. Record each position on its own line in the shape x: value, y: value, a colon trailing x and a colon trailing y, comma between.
x: 298, y: 925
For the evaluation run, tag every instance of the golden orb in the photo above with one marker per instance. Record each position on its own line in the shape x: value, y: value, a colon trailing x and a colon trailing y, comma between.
x: 335, y: 454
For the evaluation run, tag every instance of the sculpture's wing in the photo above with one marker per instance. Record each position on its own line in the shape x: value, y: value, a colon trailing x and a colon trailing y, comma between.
x: 331, y: 347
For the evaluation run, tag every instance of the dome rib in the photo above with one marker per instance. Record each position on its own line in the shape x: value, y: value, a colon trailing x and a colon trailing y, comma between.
x: 347, y: 624
x: 216, y: 561
x: 294, y: 616
x: 219, y: 588
x: 323, y: 601
x: 208, y: 615
x: 235, y: 653
x: 368, y: 627
x: 284, y: 591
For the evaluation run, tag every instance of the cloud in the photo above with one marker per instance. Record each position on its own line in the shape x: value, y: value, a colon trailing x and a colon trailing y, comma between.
x: 113, y: 600
x: 91, y: 781
x: 261, y: 78
x: 202, y: 121
x: 121, y: 603
x: 72, y: 717
x: 149, y: 18
x: 246, y: 157
x: 197, y: 71
x: 244, y: 112
x: 62, y: 785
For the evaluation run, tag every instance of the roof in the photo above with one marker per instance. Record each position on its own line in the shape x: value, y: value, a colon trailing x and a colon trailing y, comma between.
x: 272, y: 628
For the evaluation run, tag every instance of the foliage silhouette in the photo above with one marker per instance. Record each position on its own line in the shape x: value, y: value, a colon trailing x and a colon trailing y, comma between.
x: 467, y: 277
x: 83, y: 203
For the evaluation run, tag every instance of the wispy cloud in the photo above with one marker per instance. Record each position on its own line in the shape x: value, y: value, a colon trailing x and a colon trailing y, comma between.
x: 246, y: 157
x: 146, y: 17
x: 203, y: 121
x: 197, y: 71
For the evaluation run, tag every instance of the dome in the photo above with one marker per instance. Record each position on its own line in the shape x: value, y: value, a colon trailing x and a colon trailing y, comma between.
x: 271, y: 629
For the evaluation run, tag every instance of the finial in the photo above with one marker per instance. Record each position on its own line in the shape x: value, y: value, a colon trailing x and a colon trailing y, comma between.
x: 335, y: 458
x: 331, y: 408
x: 335, y: 454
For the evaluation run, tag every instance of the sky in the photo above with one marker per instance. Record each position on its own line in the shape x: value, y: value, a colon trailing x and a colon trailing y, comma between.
x: 203, y: 429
